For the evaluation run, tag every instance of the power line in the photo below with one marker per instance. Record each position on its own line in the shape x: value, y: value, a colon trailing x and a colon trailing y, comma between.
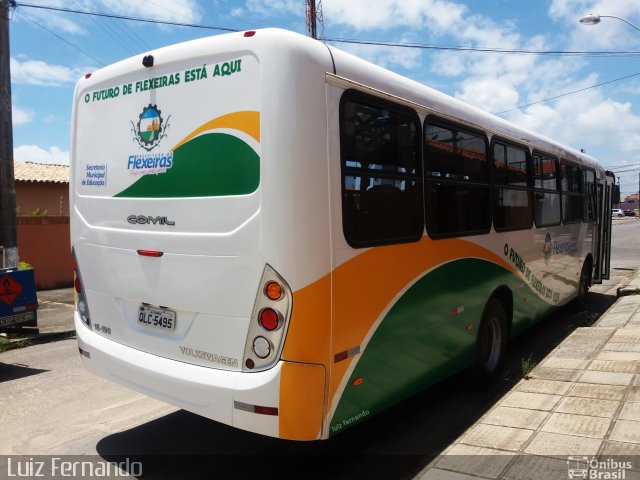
x: 126, y: 17
x: 106, y: 27
x: 627, y: 170
x: 382, y: 43
x: 623, y: 166
x: 358, y: 42
x: 124, y: 27
x: 66, y: 41
x: 512, y: 51
x: 520, y: 107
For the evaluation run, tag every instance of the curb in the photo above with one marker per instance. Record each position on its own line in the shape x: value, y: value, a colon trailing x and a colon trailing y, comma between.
x: 626, y: 291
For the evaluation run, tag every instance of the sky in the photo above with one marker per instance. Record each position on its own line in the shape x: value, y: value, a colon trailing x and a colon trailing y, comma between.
x: 51, y: 50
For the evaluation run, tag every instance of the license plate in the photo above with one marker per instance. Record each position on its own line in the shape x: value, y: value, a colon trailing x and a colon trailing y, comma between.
x: 157, y: 317
x: 15, y: 320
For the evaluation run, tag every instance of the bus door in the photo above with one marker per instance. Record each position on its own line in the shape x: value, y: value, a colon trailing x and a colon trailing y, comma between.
x: 603, y: 250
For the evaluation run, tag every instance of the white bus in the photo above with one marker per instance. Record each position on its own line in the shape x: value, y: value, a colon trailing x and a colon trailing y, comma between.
x: 274, y: 234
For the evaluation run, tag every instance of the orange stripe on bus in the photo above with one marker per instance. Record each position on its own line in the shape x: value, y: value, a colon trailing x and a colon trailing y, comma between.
x: 360, y: 299
x: 302, y: 390
x: 244, y: 121
x: 308, y: 337
x: 363, y: 288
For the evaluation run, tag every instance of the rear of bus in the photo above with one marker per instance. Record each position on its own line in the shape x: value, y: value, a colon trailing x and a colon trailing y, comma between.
x: 182, y: 229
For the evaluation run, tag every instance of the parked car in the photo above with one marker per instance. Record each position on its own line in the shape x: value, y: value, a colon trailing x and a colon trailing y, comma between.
x: 629, y: 213
x: 616, y: 212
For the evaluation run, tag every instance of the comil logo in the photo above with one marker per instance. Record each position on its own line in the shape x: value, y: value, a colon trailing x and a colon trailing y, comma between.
x: 147, y: 220
x: 151, y: 127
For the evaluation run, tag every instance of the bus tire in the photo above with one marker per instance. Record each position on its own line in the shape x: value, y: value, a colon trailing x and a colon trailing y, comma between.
x: 579, y: 303
x: 491, y: 345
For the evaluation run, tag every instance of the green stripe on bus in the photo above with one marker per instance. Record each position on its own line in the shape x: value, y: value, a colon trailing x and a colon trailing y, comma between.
x: 211, y: 165
x: 423, y: 338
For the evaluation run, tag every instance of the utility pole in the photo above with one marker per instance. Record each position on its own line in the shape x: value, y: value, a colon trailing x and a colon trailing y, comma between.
x: 8, y: 236
x: 311, y: 5
x: 314, y: 14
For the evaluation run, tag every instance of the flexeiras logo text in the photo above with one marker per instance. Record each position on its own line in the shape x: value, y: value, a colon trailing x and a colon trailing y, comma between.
x: 150, y: 161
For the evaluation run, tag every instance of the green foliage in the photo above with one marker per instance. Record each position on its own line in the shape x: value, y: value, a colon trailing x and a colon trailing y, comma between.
x: 7, y: 345
x: 526, y: 367
x: 38, y: 212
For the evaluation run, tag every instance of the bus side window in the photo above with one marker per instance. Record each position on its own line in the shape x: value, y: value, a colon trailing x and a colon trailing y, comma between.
x: 457, y: 193
x: 546, y: 190
x: 512, y: 205
x: 381, y: 171
x: 571, y: 196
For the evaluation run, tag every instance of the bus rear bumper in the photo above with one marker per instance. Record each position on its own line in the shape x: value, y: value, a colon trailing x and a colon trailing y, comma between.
x: 223, y: 396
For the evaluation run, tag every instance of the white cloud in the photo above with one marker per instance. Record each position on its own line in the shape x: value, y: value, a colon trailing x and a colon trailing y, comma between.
x: 602, y: 126
x: 183, y: 11
x: 21, y: 116
x: 56, y: 21
x: 384, y: 56
x: 33, y: 153
x: 37, y: 72
x: 438, y: 15
x: 490, y: 94
x: 275, y: 7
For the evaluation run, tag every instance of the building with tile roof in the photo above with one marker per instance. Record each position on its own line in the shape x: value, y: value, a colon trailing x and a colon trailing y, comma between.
x: 41, y: 187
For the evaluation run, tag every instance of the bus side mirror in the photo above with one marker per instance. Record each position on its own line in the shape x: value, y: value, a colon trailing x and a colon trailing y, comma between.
x: 615, y: 194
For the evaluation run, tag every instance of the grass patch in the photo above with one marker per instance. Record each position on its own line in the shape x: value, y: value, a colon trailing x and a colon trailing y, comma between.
x: 587, y: 319
x: 7, y: 345
x: 526, y: 367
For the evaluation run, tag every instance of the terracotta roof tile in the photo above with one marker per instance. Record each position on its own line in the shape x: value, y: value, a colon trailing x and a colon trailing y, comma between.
x: 40, y: 172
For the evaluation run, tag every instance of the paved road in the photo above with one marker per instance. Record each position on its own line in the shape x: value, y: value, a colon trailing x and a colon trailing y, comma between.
x: 625, y: 241
x: 63, y: 410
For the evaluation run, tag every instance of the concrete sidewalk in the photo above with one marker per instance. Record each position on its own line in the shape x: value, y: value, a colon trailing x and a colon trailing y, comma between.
x: 582, y: 401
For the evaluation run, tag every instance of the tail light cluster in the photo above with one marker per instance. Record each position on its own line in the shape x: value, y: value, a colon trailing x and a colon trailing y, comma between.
x: 269, y: 322
x: 81, y: 299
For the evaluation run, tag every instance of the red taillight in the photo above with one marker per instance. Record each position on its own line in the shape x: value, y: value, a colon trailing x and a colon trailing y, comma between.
x: 80, y: 298
x: 269, y: 319
x: 250, y: 33
x: 150, y: 253
x: 87, y: 75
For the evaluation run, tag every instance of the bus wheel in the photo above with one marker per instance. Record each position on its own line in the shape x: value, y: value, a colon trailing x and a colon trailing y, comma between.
x: 491, y: 345
x: 579, y: 303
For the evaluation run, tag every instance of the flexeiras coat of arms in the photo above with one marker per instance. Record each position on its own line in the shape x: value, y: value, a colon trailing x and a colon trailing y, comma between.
x: 151, y: 127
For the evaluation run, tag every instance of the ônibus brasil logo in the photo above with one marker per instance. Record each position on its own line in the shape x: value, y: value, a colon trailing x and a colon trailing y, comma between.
x: 151, y: 127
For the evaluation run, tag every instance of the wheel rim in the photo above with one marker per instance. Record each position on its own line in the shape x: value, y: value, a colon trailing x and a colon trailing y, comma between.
x: 492, y: 345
